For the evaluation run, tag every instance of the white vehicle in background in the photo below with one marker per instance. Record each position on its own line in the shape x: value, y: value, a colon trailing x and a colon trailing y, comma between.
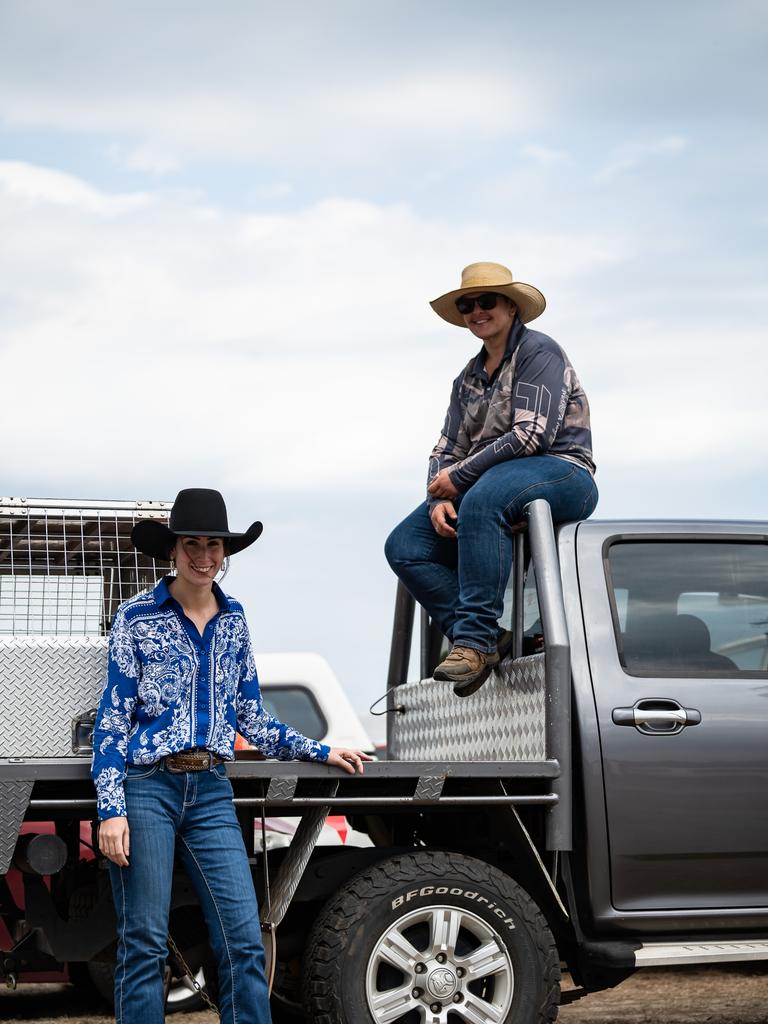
x: 303, y: 691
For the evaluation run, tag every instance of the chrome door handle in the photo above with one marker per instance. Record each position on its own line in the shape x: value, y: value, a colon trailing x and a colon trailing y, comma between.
x: 657, y: 716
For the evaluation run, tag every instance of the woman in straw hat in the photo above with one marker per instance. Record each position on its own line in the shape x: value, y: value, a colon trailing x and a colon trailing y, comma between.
x: 517, y: 429
x: 181, y: 681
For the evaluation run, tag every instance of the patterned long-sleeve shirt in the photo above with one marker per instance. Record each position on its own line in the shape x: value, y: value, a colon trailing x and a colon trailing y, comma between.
x: 533, y: 405
x: 170, y: 689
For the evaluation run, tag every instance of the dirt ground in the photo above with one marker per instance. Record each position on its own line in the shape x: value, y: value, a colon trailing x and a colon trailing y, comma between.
x: 732, y: 994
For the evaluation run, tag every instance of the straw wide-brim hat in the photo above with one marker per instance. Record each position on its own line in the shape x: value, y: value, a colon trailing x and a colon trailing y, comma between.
x: 491, y: 277
x: 196, y: 512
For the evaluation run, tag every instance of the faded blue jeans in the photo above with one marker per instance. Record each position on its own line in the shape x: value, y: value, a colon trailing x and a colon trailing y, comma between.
x: 461, y: 582
x: 191, y: 813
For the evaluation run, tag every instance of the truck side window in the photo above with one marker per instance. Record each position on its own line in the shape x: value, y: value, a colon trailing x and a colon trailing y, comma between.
x: 690, y: 608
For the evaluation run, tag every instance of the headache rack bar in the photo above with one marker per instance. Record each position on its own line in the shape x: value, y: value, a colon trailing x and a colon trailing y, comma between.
x: 66, y: 564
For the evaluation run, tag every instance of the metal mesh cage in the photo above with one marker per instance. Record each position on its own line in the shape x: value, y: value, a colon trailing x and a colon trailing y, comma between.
x: 65, y: 566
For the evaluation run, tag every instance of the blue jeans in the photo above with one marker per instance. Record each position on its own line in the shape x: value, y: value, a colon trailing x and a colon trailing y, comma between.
x: 191, y: 813
x: 461, y: 582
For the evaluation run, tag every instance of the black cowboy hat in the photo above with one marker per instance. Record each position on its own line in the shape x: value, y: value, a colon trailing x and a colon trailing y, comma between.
x: 197, y: 512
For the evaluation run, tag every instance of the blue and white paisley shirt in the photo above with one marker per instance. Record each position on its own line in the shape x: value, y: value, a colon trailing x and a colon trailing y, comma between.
x: 170, y: 689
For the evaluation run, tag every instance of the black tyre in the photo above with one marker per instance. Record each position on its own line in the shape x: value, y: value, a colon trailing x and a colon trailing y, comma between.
x: 431, y: 938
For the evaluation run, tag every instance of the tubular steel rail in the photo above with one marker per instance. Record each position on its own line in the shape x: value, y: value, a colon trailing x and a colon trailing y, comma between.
x: 541, y: 537
x: 558, y: 670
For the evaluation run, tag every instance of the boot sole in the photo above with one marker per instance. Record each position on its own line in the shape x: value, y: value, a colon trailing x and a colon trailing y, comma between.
x: 466, y: 687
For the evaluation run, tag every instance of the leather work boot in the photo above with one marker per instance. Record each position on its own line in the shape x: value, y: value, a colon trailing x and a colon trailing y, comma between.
x: 467, y: 669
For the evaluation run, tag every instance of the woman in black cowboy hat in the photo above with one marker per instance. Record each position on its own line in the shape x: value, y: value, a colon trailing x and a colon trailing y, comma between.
x: 181, y: 682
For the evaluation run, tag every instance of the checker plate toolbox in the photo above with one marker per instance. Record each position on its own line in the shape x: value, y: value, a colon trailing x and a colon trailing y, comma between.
x: 504, y: 721
x: 49, y: 684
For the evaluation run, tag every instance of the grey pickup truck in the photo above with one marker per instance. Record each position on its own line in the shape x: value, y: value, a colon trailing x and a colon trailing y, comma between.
x: 597, y: 806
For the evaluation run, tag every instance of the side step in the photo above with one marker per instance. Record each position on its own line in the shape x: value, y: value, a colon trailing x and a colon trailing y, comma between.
x: 660, y: 954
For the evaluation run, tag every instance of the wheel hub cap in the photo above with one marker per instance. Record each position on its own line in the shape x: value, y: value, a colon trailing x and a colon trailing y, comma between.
x: 442, y: 983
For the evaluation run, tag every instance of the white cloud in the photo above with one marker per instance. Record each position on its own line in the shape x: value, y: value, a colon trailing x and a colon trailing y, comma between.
x: 42, y: 186
x: 345, y: 121
x: 545, y: 155
x: 633, y: 154
x: 149, y: 158
x: 672, y: 402
x: 298, y: 348
x: 275, y: 190
x: 304, y: 338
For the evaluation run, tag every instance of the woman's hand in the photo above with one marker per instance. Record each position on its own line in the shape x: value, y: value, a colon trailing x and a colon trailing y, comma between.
x: 115, y: 840
x: 440, y: 515
x: 441, y: 486
x: 350, y: 760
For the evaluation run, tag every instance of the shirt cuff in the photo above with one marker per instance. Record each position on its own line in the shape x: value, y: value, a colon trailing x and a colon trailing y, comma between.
x: 110, y: 795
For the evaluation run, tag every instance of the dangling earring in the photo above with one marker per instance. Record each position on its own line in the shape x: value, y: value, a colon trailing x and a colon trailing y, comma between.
x: 223, y: 570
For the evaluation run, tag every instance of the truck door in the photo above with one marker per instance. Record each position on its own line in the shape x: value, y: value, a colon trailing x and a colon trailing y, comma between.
x: 677, y: 632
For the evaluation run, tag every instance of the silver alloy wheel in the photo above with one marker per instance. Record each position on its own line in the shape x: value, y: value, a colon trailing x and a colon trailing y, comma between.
x: 464, y: 970
x: 182, y: 990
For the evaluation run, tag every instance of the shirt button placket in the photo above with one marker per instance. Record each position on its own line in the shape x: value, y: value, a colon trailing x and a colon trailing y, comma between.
x: 204, y: 665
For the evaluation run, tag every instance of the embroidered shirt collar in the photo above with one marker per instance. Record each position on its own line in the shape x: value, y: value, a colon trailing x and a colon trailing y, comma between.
x: 162, y: 594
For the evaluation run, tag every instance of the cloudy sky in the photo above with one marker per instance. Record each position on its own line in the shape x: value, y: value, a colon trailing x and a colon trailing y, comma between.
x: 220, y: 225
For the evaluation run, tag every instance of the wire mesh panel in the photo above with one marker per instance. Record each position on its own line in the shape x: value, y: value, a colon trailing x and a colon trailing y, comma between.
x: 65, y: 566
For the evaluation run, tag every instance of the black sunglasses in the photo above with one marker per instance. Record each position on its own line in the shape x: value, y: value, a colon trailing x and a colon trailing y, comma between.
x: 465, y: 304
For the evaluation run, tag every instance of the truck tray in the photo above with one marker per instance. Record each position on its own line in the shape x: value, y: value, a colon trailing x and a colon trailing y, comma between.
x: 44, y: 789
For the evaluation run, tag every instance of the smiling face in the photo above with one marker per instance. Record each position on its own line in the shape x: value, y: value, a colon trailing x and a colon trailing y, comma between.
x: 198, y: 559
x: 492, y: 326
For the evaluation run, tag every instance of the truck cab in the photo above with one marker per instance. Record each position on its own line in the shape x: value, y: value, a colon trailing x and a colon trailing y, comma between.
x: 666, y: 624
x: 669, y: 631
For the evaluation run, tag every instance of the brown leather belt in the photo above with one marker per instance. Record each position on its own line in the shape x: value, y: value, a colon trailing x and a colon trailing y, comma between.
x: 192, y: 761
